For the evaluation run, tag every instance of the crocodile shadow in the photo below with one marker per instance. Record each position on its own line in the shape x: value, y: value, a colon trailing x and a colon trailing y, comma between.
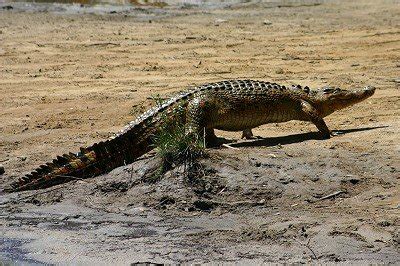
x: 295, y: 138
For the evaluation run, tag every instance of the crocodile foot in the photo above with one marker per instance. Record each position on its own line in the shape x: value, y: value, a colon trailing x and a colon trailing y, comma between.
x: 336, y: 133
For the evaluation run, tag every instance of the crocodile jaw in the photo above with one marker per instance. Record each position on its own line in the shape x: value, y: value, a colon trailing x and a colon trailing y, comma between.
x: 342, y: 99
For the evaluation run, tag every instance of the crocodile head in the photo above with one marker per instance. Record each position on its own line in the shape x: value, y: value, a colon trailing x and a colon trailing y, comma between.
x: 328, y: 100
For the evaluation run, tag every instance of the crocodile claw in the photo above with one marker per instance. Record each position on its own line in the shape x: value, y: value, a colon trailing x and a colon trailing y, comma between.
x: 337, y: 133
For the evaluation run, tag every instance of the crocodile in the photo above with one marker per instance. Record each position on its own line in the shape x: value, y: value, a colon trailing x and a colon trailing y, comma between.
x: 233, y: 105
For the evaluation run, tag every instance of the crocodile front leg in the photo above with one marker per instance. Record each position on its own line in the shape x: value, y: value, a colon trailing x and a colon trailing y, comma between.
x: 313, y: 116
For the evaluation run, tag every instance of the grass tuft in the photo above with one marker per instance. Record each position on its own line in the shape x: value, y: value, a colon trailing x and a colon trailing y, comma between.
x: 174, y: 145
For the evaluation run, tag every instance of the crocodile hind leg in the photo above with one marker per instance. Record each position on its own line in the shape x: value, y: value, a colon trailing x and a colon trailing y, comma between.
x: 197, y: 122
x: 211, y: 139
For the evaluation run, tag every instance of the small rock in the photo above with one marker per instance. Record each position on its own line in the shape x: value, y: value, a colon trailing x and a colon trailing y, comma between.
x: 314, y: 178
x: 384, y: 223
x: 167, y: 200
x: 219, y: 21
x: 97, y: 76
x: 23, y: 158
x: 267, y: 22
x: 1, y: 169
x: 189, y: 209
x: 34, y: 201
x: 286, y: 180
x: 350, y: 179
x: 368, y: 245
x: 279, y: 71
x: 135, y: 210
x: 396, y: 238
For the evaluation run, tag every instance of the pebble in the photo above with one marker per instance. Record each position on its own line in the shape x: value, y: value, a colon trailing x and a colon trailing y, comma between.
x: 384, y: 223
x: 218, y: 21
x: 396, y: 238
x: 23, y: 158
x: 257, y: 164
x: 2, y: 171
x: 267, y: 22
x: 350, y: 179
x: 286, y: 180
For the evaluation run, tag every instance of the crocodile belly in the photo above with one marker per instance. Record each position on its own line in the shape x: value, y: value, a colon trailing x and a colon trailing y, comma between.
x: 238, y: 121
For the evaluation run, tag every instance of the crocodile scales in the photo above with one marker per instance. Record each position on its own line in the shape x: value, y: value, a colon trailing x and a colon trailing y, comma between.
x: 233, y: 105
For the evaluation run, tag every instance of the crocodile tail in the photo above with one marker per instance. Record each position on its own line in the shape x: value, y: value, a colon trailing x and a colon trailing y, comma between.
x: 131, y: 143
x: 92, y: 161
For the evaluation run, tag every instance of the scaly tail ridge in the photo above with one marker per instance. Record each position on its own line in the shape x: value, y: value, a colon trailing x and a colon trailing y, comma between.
x: 89, y: 162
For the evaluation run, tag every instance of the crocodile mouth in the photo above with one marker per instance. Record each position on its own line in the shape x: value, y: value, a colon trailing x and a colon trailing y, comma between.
x: 369, y: 91
x: 343, y: 99
x: 357, y: 95
x: 365, y: 93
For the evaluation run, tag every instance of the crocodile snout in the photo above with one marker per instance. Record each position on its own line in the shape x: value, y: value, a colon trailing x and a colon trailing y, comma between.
x: 369, y: 90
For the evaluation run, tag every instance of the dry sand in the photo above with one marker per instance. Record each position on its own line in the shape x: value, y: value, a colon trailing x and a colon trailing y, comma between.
x: 68, y: 80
